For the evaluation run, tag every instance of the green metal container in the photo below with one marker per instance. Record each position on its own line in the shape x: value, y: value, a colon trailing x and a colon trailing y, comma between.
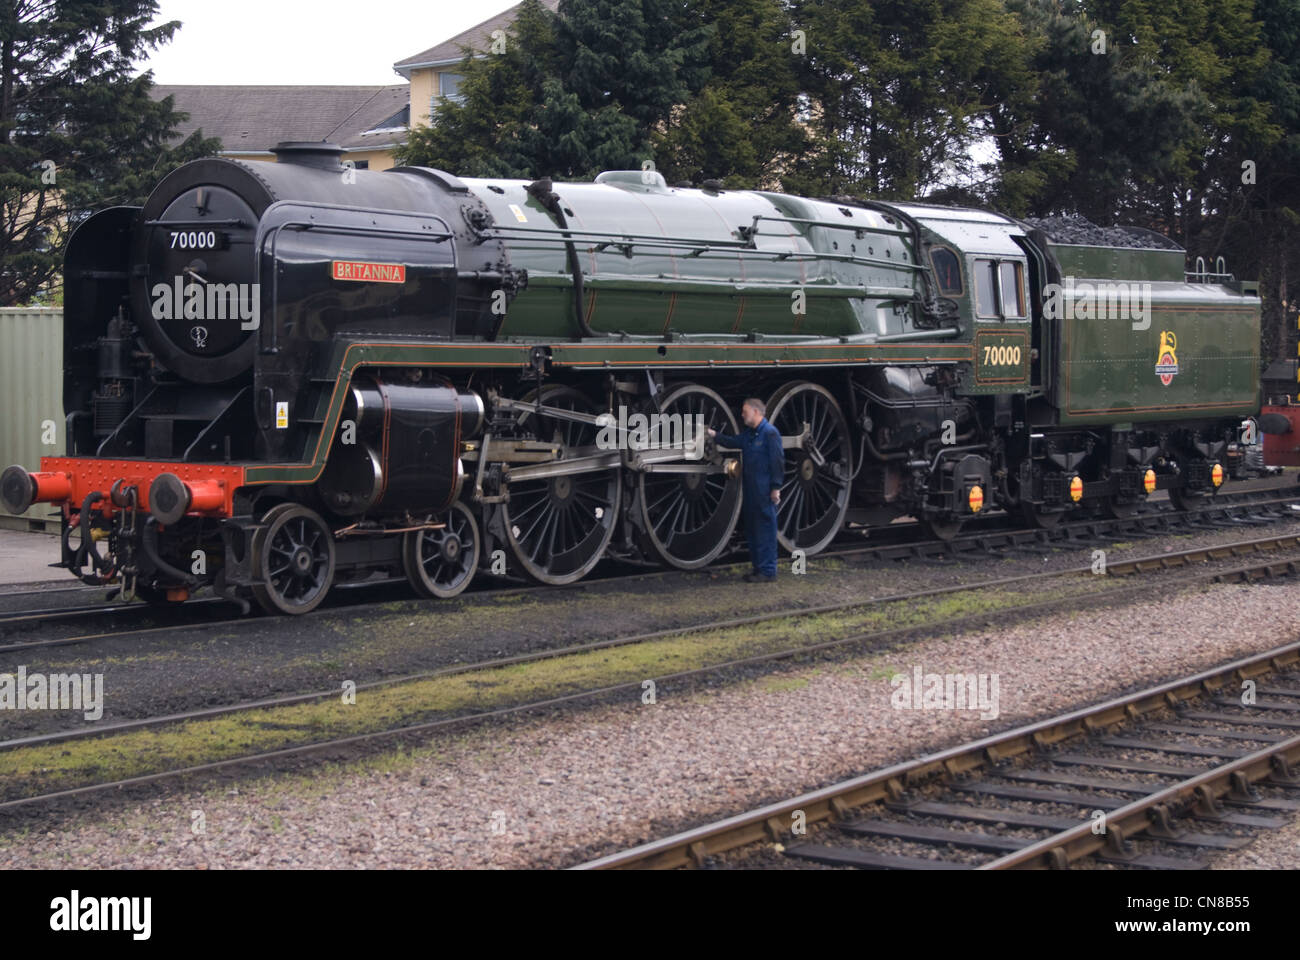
x: 31, y: 396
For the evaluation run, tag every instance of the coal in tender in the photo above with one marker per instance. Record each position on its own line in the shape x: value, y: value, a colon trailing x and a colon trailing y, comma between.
x: 1073, y: 228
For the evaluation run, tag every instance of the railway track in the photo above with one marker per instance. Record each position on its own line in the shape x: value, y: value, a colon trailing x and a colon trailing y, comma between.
x: 101, y: 621
x: 1158, y: 779
x: 1266, y: 557
x: 1265, y: 547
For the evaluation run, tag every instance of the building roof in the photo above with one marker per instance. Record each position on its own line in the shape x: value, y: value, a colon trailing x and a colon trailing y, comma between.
x: 476, y: 38
x: 253, y: 119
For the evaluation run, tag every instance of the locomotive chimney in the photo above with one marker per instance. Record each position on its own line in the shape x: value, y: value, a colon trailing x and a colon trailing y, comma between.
x: 309, y: 153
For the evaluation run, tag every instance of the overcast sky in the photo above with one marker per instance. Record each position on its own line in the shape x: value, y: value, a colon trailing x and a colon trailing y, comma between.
x: 306, y: 41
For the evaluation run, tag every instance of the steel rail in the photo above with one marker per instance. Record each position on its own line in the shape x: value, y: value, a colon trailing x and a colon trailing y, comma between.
x: 770, y: 823
x: 1139, y: 565
x: 1201, y: 791
x: 959, y: 622
x: 1048, y: 538
x: 754, y: 620
x: 1061, y: 537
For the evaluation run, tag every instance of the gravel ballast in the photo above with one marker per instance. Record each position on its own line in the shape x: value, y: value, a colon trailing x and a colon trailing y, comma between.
x: 548, y: 791
x: 217, y: 664
x: 1273, y: 850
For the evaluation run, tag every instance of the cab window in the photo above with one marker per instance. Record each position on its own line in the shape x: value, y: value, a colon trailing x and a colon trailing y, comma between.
x: 999, y: 289
x: 986, y: 301
x: 947, y: 271
x: 1012, y: 283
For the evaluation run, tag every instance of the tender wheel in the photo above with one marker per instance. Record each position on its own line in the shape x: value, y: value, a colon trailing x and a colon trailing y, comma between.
x: 1117, y: 509
x: 441, y: 563
x: 815, y: 492
x: 688, y: 517
x: 1036, y: 516
x: 294, y: 553
x: 944, y: 530
x: 558, y: 528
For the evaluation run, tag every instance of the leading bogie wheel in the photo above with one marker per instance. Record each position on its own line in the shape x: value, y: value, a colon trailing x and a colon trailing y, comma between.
x: 294, y: 554
x: 441, y: 563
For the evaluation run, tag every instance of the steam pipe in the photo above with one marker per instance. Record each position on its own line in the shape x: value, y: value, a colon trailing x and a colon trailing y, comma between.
x: 550, y: 201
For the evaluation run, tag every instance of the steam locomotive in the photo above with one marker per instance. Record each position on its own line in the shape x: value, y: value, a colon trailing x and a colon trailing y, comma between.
x: 283, y: 376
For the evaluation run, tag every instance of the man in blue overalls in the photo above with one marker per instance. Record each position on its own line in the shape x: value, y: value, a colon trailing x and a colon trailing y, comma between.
x: 763, y: 463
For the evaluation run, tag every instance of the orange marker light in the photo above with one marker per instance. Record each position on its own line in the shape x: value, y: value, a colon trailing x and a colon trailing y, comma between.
x: 975, y: 499
x: 1216, y: 475
x: 1149, y: 481
x: 1076, y: 489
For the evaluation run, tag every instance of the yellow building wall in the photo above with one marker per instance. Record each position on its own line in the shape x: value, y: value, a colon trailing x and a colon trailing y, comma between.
x: 424, y: 84
x: 379, y: 159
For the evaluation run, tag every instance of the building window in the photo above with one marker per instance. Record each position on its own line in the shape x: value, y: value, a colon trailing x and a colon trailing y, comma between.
x: 449, y: 86
x: 402, y: 118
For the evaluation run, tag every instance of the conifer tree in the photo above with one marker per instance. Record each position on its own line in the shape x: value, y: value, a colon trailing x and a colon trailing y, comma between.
x: 78, y: 129
x: 900, y: 90
x: 742, y: 128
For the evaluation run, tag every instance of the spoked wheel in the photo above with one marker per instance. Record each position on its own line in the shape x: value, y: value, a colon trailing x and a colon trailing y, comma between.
x: 1036, y: 516
x: 688, y: 517
x: 294, y: 552
x: 1183, y: 500
x: 558, y: 527
x: 441, y: 563
x: 815, y: 491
